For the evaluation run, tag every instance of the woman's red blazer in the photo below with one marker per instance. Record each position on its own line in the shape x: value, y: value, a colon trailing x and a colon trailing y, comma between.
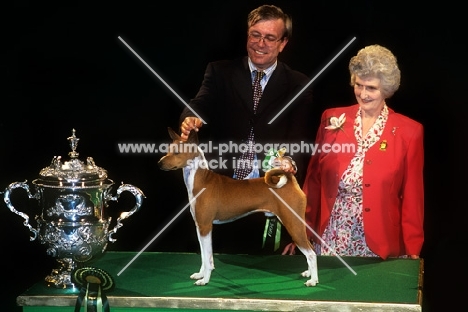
x: 393, y: 191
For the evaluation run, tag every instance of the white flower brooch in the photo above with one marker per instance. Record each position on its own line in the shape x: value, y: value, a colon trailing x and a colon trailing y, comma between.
x: 336, y: 123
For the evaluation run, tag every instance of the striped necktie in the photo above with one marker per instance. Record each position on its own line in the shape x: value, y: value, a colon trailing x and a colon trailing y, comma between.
x: 244, y: 164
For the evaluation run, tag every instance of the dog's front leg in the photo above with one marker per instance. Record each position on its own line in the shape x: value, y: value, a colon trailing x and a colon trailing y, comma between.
x: 206, y: 251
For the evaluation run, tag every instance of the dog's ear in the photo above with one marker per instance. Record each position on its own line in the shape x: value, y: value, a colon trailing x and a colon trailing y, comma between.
x: 174, y: 136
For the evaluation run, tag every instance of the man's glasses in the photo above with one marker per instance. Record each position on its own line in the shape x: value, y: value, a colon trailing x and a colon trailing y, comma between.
x: 269, y: 40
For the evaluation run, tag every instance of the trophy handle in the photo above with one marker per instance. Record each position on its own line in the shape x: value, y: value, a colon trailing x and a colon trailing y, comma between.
x: 6, y: 198
x: 138, y: 194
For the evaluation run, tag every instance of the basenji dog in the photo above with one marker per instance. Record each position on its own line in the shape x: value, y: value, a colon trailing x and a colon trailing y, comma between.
x: 216, y: 199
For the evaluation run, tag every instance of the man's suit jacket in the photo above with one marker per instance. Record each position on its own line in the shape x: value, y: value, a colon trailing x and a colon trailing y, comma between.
x: 393, y: 193
x: 225, y: 103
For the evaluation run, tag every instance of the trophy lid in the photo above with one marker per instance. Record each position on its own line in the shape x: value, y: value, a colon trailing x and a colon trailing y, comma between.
x: 73, y: 172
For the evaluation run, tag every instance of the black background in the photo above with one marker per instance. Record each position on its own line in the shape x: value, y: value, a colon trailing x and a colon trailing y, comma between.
x: 64, y: 67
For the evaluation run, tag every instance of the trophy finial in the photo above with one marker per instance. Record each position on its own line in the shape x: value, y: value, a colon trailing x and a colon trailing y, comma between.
x: 73, y: 144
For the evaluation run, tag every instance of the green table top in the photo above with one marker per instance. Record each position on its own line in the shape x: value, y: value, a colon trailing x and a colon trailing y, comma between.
x: 152, y: 279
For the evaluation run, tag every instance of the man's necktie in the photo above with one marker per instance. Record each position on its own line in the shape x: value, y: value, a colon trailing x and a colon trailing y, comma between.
x: 244, y: 164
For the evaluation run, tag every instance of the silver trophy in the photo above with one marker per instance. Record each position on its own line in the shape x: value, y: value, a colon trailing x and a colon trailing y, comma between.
x: 73, y: 197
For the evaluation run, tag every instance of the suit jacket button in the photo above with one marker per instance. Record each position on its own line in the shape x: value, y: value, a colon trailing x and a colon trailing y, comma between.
x: 368, y: 161
x: 366, y: 209
x: 367, y: 185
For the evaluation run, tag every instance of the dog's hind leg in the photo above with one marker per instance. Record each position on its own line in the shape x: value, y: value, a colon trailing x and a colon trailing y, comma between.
x: 312, y: 266
x: 207, y: 263
x: 299, y: 236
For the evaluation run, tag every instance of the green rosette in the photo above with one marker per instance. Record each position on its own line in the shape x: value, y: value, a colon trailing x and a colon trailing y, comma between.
x: 93, y: 283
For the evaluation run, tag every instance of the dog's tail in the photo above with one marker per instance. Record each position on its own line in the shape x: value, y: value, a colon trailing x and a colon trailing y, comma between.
x: 276, y: 177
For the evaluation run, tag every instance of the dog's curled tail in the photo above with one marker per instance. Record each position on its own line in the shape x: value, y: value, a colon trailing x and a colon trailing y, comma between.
x: 276, y: 177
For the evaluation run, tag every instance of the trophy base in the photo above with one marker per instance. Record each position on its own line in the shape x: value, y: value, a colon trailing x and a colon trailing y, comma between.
x: 61, y: 277
x: 59, y: 280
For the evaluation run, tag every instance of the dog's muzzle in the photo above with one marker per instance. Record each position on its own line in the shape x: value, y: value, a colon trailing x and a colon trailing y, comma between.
x: 163, y: 165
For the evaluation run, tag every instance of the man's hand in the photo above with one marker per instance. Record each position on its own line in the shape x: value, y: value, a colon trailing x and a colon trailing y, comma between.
x: 189, y: 124
x: 288, y: 166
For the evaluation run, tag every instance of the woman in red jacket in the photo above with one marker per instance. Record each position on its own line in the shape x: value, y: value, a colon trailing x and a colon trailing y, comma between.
x: 364, y: 185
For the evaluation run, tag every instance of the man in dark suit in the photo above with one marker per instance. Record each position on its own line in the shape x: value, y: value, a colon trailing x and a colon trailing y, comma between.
x: 224, y: 104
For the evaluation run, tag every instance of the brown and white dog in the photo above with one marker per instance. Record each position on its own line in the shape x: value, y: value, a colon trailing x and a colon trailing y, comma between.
x: 223, y: 199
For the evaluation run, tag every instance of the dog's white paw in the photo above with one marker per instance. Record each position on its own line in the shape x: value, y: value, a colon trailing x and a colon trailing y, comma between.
x: 311, y: 283
x: 306, y: 273
x: 201, y: 282
x: 196, y: 276
x: 202, y: 279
